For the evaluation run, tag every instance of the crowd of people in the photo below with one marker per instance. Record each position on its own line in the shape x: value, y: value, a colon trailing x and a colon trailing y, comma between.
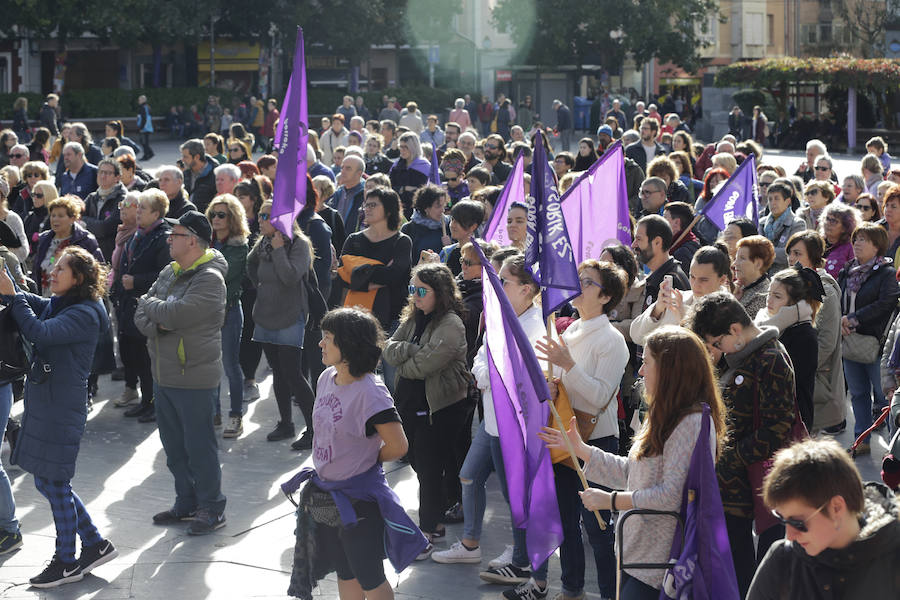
x: 370, y: 318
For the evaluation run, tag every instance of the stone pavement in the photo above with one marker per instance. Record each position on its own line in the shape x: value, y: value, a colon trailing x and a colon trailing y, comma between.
x: 123, y: 480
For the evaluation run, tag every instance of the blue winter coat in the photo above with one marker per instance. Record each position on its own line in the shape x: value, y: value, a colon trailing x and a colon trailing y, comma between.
x: 64, y: 337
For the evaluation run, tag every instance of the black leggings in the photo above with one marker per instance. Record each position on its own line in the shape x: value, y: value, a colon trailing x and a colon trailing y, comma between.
x: 287, y: 381
x: 251, y: 351
x: 136, y: 360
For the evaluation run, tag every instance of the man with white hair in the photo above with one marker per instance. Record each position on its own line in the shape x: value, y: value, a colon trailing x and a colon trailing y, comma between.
x: 616, y: 111
x: 466, y: 143
x: 18, y: 155
x: 80, y: 177
x: 807, y: 170
x: 725, y: 147
x: 227, y: 176
x: 348, y: 198
x: 171, y: 182
x: 357, y: 123
x: 314, y: 166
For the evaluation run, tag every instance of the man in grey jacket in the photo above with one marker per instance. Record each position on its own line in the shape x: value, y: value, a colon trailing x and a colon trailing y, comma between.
x: 182, y: 317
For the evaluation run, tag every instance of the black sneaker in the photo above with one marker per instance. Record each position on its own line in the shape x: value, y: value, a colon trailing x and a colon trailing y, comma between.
x: 138, y: 410
x: 528, y: 591
x: 304, y: 442
x: 170, y: 517
x: 206, y: 522
x: 282, y: 431
x: 57, y: 573
x: 454, y: 514
x: 148, y: 416
x: 506, y: 574
x: 836, y: 429
x: 118, y: 374
x: 10, y: 541
x: 96, y: 555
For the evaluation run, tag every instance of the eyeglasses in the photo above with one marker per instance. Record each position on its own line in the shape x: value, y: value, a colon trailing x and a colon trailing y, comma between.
x: 218, y: 215
x: 370, y: 206
x: 587, y: 282
x: 798, y: 524
x: 718, y: 343
x: 648, y: 192
x: 865, y: 207
x: 818, y: 168
x: 419, y: 291
x: 468, y: 263
x: 263, y: 216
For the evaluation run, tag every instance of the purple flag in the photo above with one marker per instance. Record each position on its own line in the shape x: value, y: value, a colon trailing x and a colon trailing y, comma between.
x: 513, y: 191
x: 518, y: 388
x: 738, y: 198
x: 596, y: 206
x: 289, y: 187
x: 549, y: 240
x: 702, y: 567
x: 434, y: 176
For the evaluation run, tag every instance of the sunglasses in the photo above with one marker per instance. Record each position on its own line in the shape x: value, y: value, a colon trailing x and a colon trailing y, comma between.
x: 218, y: 214
x: 263, y: 216
x: 468, y: 263
x: 810, y: 192
x: 798, y: 524
x: 234, y: 149
x: 864, y: 207
x: 419, y: 291
x: 18, y: 155
x: 818, y: 168
x: 491, y: 146
x: 39, y: 196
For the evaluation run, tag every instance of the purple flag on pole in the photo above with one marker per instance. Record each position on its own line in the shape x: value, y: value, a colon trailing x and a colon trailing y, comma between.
x: 549, y: 244
x: 513, y: 191
x: 518, y: 388
x: 738, y: 198
x: 702, y: 567
x: 289, y: 187
x: 434, y: 176
x: 596, y: 206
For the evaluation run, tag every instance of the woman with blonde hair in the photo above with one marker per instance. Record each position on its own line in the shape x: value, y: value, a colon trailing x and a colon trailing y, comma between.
x: 38, y: 219
x: 678, y: 380
x: 230, y: 233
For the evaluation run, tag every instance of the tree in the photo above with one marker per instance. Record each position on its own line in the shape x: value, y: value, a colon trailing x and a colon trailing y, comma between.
x: 605, y: 31
x: 868, y: 22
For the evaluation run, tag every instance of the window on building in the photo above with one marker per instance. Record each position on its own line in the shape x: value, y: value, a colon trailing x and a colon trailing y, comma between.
x: 770, y: 30
x: 5, y: 74
x: 165, y: 75
x: 754, y: 34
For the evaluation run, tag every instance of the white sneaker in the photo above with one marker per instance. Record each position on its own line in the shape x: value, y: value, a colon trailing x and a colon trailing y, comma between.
x: 235, y: 428
x: 457, y: 554
x: 426, y: 552
x: 502, y: 560
x: 128, y: 396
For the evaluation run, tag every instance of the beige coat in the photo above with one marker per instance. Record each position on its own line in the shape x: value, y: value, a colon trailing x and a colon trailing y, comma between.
x: 828, y: 398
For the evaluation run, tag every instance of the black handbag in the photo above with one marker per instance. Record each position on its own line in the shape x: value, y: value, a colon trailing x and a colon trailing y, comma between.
x: 14, y: 362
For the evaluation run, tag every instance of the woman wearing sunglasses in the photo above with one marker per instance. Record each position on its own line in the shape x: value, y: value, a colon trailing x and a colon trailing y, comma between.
x: 759, y: 380
x: 841, y: 536
x: 230, y: 233
x: 38, y: 219
x: 428, y: 351
x: 278, y: 266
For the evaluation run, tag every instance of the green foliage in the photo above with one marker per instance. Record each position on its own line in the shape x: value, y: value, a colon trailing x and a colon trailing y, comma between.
x: 879, y: 74
x: 866, y: 115
x: 550, y: 32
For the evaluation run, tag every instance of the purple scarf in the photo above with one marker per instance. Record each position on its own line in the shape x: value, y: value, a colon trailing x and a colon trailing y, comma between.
x: 859, y: 273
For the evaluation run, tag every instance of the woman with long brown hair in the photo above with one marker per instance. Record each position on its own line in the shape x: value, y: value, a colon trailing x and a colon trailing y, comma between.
x: 678, y: 378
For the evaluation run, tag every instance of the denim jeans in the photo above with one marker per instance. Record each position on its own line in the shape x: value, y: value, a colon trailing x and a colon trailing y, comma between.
x: 231, y: 360
x: 864, y: 380
x: 8, y: 522
x: 185, y: 421
x: 476, y: 469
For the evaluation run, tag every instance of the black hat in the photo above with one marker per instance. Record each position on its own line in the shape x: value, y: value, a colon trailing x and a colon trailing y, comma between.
x: 196, y: 223
x: 8, y: 238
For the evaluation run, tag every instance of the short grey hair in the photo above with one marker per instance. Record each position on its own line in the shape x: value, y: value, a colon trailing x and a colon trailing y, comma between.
x: 194, y: 147
x: 657, y: 182
x: 824, y: 158
x: 353, y: 159
x: 630, y: 137
x: 20, y: 147
x: 459, y: 103
x: 123, y: 150
x: 171, y: 170
x: 412, y: 142
x: 353, y: 151
x: 858, y: 180
x: 818, y: 145
x: 233, y: 170
x: 75, y: 147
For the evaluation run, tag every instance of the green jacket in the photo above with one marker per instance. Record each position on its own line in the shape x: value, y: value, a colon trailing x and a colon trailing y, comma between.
x: 439, y: 358
x: 235, y: 251
x: 182, y: 317
x: 761, y: 372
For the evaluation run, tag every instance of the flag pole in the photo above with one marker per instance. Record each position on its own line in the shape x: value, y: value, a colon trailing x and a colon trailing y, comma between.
x: 687, y: 230
x: 551, y: 322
